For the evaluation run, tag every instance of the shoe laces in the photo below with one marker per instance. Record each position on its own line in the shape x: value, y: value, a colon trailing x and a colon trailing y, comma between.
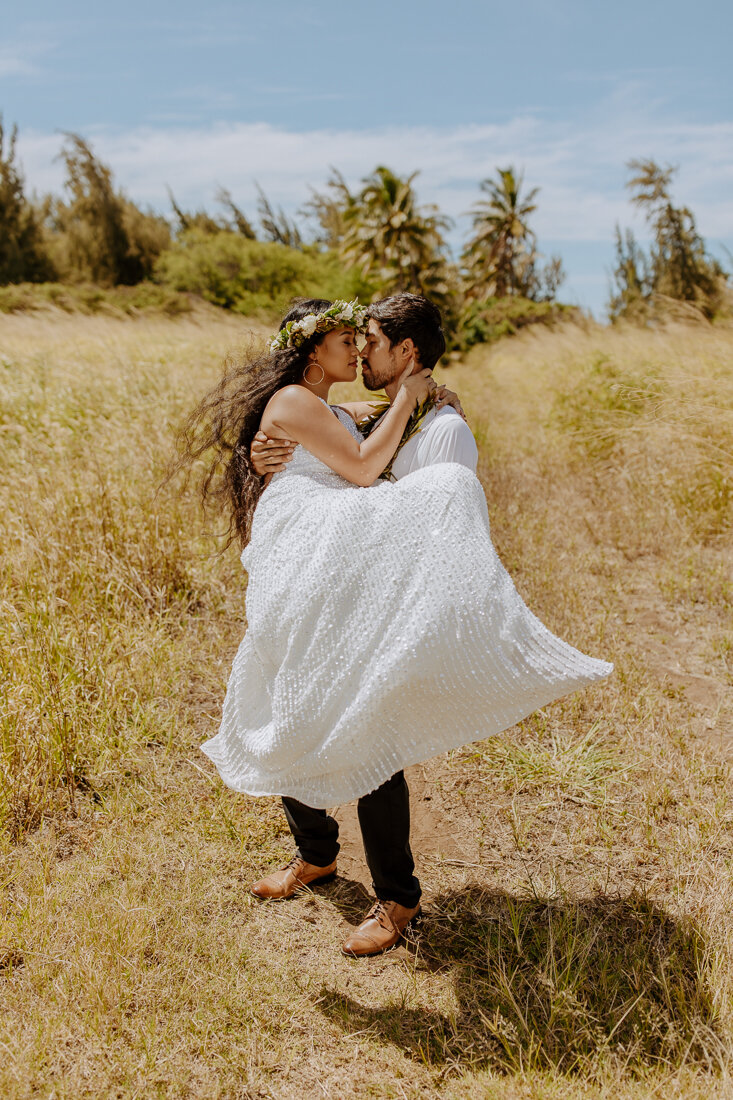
x: 379, y: 909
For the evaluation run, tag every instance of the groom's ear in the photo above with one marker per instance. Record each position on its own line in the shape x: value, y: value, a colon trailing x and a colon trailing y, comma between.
x: 407, y: 350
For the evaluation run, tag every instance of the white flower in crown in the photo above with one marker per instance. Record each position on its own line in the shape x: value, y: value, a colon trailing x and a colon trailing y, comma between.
x: 295, y: 333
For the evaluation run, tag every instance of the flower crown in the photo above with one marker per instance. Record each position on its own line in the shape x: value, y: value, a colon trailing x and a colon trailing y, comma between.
x: 340, y: 313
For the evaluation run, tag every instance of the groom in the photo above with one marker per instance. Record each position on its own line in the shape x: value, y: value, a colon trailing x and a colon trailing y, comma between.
x: 403, y: 329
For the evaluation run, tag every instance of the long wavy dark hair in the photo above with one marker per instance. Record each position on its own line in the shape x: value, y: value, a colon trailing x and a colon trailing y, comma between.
x: 223, y: 425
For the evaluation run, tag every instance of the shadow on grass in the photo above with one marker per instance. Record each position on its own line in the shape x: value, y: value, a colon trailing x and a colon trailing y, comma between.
x: 556, y: 985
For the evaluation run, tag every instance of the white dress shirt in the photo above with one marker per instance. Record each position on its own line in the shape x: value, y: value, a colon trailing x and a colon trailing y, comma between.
x: 444, y: 436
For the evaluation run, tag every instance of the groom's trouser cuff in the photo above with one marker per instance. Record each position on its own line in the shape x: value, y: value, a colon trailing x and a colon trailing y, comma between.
x: 315, y: 833
x: 384, y: 817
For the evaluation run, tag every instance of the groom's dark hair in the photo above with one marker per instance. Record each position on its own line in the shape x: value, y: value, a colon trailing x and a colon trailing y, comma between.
x: 410, y: 316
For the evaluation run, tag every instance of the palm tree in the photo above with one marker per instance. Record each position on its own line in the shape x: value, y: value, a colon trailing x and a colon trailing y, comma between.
x: 501, y: 254
x: 394, y: 242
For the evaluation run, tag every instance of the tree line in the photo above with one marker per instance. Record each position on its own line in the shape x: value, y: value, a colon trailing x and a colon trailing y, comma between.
x: 677, y: 267
x: 373, y: 240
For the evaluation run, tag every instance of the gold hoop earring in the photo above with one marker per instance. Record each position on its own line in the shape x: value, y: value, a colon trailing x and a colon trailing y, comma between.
x: 305, y: 375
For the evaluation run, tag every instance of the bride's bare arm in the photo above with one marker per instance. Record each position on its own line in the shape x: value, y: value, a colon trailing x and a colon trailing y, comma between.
x: 297, y: 415
x: 271, y: 455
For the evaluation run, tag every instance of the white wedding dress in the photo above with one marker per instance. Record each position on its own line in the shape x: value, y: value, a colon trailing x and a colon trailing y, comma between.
x: 382, y: 630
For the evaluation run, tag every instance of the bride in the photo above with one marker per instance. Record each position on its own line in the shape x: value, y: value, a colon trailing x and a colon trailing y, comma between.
x: 382, y: 629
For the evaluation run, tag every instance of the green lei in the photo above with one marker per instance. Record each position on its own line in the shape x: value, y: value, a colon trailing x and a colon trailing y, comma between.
x: 414, y: 424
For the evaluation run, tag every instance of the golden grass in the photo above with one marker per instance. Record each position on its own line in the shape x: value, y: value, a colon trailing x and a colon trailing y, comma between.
x: 105, y: 585
x: 583, y: 946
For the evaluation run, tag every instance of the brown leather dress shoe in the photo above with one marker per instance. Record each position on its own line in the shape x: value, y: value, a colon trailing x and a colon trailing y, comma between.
x: 286, y: 882
x: 382, y: 929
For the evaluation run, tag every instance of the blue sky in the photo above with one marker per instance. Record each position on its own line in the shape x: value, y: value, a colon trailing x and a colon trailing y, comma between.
x: 567, y: 92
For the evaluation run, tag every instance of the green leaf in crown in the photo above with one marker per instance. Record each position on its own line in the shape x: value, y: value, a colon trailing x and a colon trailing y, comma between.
x: 338, y: 315
x: 414, y: 424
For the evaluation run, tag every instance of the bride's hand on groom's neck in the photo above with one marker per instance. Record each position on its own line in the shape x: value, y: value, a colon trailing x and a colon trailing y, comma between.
x: 415, y: 387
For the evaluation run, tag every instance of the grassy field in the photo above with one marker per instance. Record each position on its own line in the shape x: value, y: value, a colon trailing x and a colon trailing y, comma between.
x: 578, y: 938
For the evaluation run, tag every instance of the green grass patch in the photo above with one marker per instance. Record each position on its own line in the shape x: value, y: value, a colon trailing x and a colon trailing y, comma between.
x: 145, y: 299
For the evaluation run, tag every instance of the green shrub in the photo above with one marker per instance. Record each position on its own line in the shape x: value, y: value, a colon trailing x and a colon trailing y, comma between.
x: 145, y: 298
x: 487, y: 321
x: 256, y: 278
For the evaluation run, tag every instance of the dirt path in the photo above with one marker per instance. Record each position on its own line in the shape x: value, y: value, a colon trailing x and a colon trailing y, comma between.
x: 441, y: 830
x: 681, y: 646
x: 677, y: 647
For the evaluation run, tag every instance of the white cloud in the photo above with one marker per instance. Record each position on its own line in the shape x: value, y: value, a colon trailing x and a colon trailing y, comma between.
x: 20, y: 58
x: 579, y: 169
x: 13, y: 64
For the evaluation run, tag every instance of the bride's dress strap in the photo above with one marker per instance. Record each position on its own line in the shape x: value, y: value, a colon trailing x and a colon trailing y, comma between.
x: 334, y: 408
x: 337, y: 411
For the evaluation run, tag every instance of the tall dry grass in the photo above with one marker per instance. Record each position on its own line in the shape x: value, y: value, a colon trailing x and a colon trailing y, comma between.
x: 582, y: 948
x: 607, y: 459
x: 107, y: 591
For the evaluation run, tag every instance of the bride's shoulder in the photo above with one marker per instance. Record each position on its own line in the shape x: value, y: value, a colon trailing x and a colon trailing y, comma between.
x: 293, y: 398
x: 290, y: 407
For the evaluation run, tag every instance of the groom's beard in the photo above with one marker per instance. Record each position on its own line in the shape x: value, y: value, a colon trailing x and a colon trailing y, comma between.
x: 370, y: 383
x: 373, y: 380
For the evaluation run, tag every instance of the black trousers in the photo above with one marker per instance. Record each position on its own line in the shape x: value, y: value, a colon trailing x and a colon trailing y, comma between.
x: 384, y: 817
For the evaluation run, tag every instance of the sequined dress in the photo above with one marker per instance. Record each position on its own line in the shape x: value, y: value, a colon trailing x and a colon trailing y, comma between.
x: 382, y: 630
